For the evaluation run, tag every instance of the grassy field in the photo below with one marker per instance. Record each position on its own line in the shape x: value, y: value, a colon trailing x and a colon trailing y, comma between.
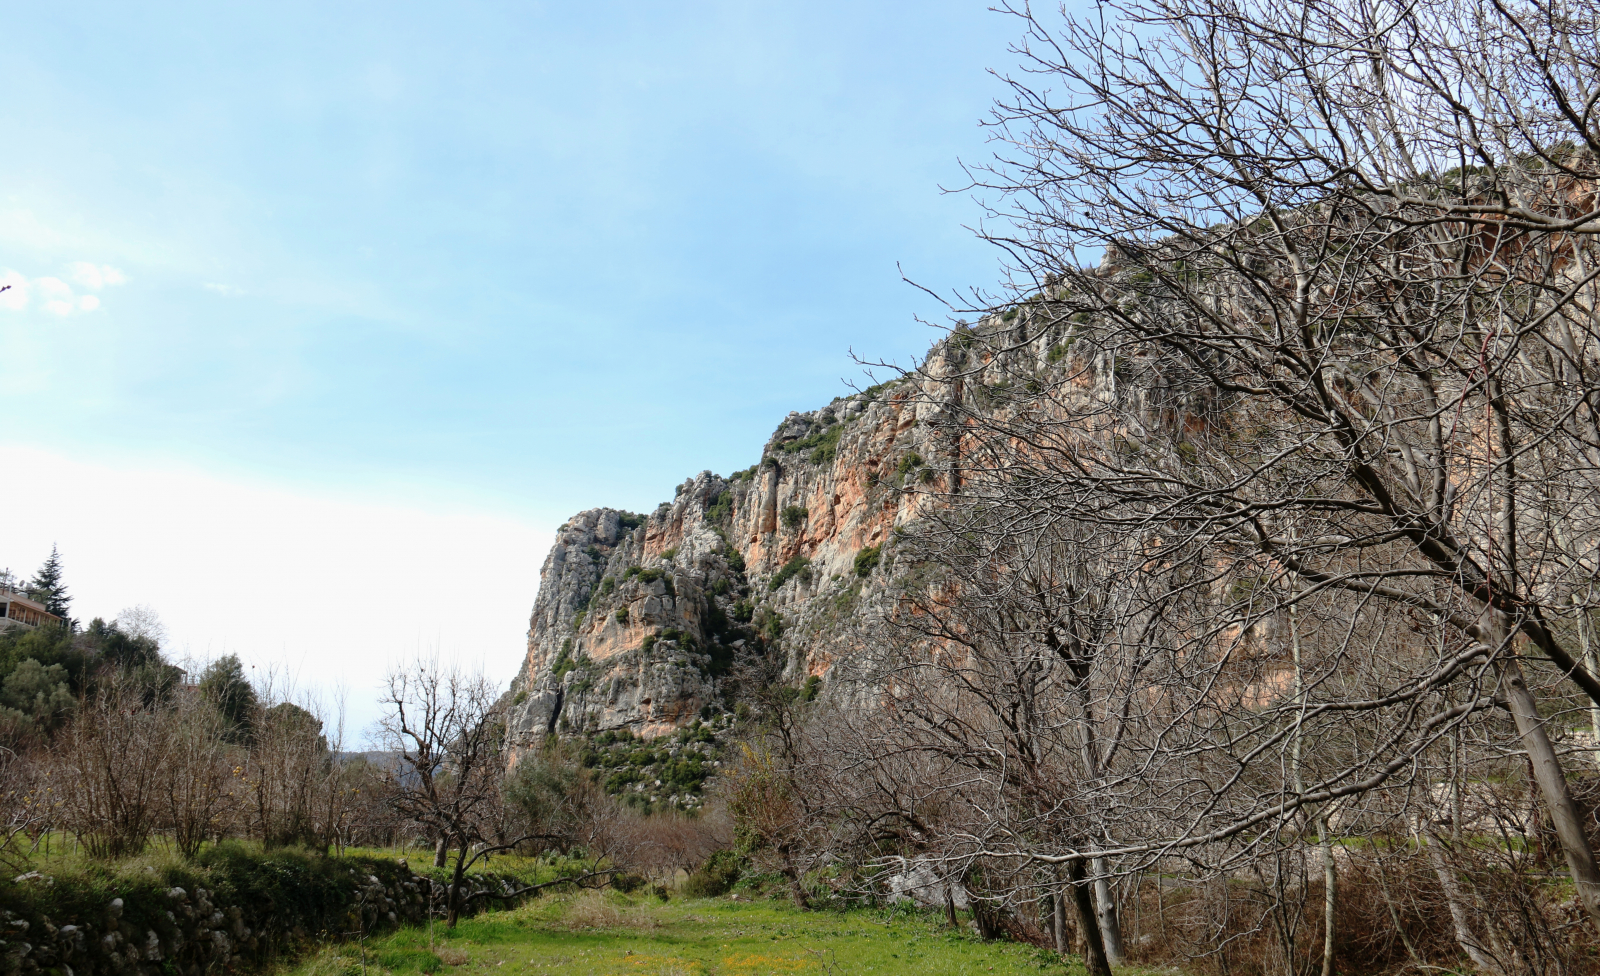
x: 606, y: 933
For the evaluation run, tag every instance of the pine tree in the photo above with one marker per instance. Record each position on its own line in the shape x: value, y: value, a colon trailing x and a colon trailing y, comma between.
x: 47, y: 588
x: 224, y: 685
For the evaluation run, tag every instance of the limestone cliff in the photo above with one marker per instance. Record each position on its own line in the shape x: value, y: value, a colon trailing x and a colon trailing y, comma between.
x: 638, y: 617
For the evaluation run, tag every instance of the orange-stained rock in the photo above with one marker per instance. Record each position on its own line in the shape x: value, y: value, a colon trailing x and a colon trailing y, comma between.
x: 860, y: 466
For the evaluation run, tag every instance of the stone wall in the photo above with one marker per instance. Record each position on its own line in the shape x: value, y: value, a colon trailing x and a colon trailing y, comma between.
x: 243, y: 915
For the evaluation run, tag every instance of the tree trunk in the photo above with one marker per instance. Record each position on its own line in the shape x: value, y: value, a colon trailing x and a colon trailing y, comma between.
x: 1060, y: 899
x: 797, y: 888
x: 1106, y: 914
x: 982, y: 919
x: 1552, y: 782
x: 453, y: 897
x: 1094, y: 950
x: 1459, y: 917
x: 440, y: 853
x: 950, y: 904
x: 1330, y: 894
x: 1591, y: 661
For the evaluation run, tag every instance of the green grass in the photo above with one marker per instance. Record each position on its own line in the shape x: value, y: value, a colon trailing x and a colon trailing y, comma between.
x: 607, y: 933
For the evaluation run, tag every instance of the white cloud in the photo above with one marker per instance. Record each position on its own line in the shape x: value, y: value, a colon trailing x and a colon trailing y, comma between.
x: 96, y: 276
x: 15, y: 296
x: 55, y: 294
x: 329, y: 591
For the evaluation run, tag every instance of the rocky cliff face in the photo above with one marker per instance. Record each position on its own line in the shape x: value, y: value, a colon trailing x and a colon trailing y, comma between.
x: 638, y: 617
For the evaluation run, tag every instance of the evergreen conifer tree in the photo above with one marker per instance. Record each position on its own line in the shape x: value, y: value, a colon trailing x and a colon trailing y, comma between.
x: 48, y: 589
x: 224, y: 685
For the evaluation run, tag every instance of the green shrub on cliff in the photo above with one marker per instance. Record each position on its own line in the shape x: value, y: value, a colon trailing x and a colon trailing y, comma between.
x: 564, y: 661
x: 790, y: 569
x: 770, y: 624
x: 793, y: 516
x: 867, y: 560
x: 819, y: 448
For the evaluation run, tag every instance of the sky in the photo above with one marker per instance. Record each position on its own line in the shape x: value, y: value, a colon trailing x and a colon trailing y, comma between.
x: 325, y: 315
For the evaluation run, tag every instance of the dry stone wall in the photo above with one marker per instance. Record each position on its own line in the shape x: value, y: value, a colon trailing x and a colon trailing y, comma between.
x: 237, y: 921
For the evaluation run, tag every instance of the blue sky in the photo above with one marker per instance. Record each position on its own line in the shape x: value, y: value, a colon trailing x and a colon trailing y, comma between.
x: 502, y: 259
x: 556, y: 255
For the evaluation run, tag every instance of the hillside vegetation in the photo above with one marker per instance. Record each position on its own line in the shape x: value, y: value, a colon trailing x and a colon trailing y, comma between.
x: 1222, y: 595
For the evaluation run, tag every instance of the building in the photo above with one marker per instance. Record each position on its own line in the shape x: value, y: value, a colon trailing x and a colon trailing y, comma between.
x: 16, y: 610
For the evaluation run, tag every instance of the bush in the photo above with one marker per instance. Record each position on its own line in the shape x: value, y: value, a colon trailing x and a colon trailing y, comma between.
x: 628, y: 883
x: 564, y: 661
x: 622, y: 615
x: 651, y: 575
x: 683, y: 638
x: 793, y: 516
x: 770, y: 625
x: 867, y: 560
x: 716, y: 876
x: 877, y: 392
x: 820, y: 447
x: 790, y: 569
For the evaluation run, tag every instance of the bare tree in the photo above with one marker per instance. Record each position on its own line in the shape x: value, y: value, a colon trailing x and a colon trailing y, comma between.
x: 446, y: 729
x: 1311, y: 309
x: 111, y: 768
x: 203, y: 791
x: 771, y: 787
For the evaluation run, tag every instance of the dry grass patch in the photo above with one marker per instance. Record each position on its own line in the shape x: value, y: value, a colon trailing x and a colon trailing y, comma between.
x: 598, y: 911
x: 452, y: 956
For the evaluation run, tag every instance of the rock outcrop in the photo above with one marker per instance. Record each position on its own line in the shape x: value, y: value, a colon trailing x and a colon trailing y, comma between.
x: 637, y: 617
